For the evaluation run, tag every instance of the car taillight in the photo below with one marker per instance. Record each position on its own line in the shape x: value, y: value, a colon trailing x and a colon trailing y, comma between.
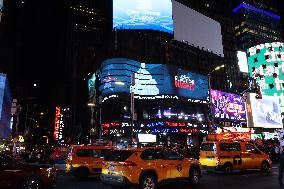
x: 126, y: 163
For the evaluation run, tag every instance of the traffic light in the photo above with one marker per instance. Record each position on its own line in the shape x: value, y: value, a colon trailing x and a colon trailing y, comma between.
x: 258, y: 93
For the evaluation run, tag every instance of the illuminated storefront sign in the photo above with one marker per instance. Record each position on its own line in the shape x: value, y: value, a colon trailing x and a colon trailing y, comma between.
x: 264, y: 112
x: 266, y: 66
x: 230, y: 136
x: 56, y: 123
x: 152, y: 81
x: 143, y: 14
x: 228, y: 106
x: 59, y: 124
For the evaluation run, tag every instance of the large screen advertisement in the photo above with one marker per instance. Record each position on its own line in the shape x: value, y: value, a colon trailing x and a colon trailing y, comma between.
x: 266, y: 66
x: 242, y: 61
x: 264, y: 112
x: 228, y: 106
x: 195, y: 28
x: 143, y: 14
x: 150, y: 80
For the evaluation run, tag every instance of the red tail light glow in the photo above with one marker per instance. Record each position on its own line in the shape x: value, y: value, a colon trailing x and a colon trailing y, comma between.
x: 126, y: 163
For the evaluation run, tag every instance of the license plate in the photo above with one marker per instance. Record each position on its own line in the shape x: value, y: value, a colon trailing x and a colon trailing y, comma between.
x: 111, y: 168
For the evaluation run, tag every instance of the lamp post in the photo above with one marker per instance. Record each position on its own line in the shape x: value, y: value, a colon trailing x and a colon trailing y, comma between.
x: 209, y: 86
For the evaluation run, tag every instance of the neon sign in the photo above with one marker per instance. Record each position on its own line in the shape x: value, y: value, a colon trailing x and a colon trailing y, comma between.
x: 56, y: 123
x: 175, y: 124
x: 184, y: 82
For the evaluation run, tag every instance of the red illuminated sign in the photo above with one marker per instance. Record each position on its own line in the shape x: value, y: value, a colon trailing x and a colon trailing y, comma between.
x: 184, y: 82
x: 56, y: 123
x: 112, y: 124
x: 175, y: 124
x: 194, y: 130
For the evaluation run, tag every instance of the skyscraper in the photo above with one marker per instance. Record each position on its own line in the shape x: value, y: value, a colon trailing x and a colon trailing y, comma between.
x: 256, y: 23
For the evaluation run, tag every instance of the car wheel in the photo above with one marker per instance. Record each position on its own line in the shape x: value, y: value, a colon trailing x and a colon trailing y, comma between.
x: 265, y: 167
x: 82, y: 172
x: 148, y: 182
x: 228, y: 168
x: 194, y: 175
x: 31, y: 183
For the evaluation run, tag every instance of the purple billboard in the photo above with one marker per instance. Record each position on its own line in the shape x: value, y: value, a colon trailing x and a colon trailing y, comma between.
x: 228, y: 106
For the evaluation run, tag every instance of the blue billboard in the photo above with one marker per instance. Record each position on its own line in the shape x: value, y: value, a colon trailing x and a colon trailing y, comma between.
x: 150, y: 80
x: 143, y: 14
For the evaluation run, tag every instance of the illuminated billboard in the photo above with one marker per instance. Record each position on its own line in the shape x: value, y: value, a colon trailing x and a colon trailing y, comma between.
x: 266, y: 66
x: 197, y: 29
x: 143, y: 14
x: 242, y: 61
x: 150, y: 80
x: 264, y: 112
x: 228, y: 106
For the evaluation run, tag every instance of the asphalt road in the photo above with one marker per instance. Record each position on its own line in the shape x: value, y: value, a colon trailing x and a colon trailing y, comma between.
x: 215, y: 180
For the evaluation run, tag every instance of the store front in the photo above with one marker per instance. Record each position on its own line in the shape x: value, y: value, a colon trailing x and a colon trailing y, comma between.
x: 168, y: 102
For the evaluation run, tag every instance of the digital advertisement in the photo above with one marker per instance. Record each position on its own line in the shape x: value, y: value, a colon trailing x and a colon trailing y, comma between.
x: 266, y: 66
x: 228, y: 106
x: 150, y: 80
x: 264, y: 112
x: 143, y: 14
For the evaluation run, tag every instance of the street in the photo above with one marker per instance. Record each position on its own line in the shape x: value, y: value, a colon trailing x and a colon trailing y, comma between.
x: 238, y: 180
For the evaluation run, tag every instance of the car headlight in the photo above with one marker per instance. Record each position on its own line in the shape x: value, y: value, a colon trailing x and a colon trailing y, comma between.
x: 48, y: 172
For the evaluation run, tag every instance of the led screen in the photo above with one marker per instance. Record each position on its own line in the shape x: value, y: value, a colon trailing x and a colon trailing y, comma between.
x: 150, y: 80
x: 242, y: 61
x: 143, y: 14
x: 2, y: 91
x: 264, y: 112
x: 228, y: 106
x: 197, y: 29
x: 266, y: 66
x: 146, y: 137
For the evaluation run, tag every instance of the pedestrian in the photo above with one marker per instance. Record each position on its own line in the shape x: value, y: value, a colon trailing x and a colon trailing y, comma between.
x: 281, y: 167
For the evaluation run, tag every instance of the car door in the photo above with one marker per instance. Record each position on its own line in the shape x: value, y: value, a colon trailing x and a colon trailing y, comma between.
x: 175, y: 164
x: 253, y: 157
x: 153, y: 159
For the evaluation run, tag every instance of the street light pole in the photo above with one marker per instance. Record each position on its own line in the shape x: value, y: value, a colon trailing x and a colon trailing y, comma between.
x: 210, y: 98
x: 132, y: 105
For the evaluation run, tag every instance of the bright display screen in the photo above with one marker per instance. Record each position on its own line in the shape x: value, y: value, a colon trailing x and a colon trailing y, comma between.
x: 266, y: 66
x: 228, y: 106
x: 2, y: 91
x: 143, y: 14
x: 147, y: 138
x: 264, y: 112
x: 242, y: 61
x: 150, y: 80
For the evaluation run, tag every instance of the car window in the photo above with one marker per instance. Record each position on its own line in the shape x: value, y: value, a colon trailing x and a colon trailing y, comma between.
x: 100, y: 153
x: 251, y: 148
x: 118, y: 155
x: 230, y: 147
x: 207, y: 147
x: 151, y: 154
x: 83, y: 153
x: 171, y: 155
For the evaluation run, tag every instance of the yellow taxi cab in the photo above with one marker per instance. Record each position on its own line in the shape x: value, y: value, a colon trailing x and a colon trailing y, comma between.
x: 85, y: 160
x: 147, y: 167
x: 230, y: 155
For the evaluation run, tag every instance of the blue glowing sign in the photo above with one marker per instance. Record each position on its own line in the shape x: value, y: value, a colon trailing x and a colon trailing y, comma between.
x: 150, y: 80
x: 247, y: 6
x: 143, y: 14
